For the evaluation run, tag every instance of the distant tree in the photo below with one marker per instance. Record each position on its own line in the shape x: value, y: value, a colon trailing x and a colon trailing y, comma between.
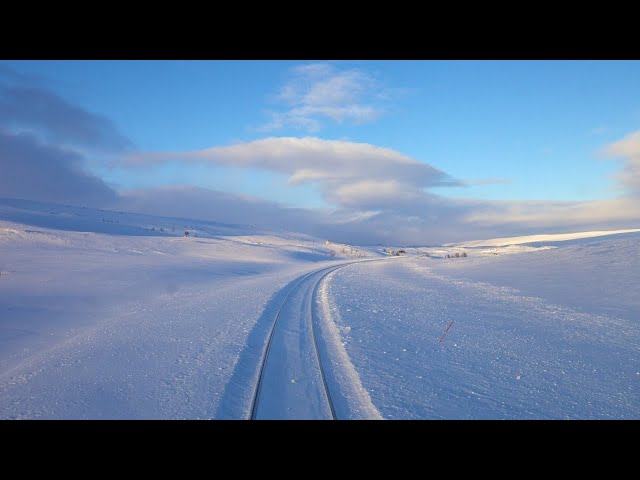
x: 186, y: 233
x: 457, y: 255
x: 464, y: 254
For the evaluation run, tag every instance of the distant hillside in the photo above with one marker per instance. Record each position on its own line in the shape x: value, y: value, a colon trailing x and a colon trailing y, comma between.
x: 545, y: 239
x: 84, y: 219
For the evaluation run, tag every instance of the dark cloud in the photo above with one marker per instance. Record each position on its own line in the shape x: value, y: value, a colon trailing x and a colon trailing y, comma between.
x: 26, y: 105
x: 34, y: 171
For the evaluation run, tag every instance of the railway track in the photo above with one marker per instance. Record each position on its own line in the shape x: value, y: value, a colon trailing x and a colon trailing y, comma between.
x: 292, y: 383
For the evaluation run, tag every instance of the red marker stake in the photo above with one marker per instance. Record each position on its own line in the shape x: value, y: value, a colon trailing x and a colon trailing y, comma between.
x: 445, y: 332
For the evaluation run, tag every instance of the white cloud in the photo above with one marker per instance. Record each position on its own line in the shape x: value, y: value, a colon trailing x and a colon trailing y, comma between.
x: 348, y: 173
x: 621, y: 212
x: 319, y: 92
x: 629, y: 150
x: 381, y: 195
x: 373, y: 191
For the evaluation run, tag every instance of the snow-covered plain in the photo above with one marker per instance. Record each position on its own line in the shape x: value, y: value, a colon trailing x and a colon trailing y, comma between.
x: 116, y: 315
x: 543, y: 334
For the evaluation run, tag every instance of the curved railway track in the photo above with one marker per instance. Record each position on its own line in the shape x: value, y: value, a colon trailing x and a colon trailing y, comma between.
x: 292, y: 383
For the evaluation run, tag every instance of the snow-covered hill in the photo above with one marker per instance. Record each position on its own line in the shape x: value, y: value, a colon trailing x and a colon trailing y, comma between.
x: 546, y: 239
x: 547, y: 333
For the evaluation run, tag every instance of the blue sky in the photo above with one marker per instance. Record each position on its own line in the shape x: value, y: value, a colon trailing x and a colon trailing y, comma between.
x: 501, y: 131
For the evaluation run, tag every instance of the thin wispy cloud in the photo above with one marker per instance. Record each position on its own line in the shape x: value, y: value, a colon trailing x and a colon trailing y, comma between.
x: 318, y: 93
x: 486, y: 181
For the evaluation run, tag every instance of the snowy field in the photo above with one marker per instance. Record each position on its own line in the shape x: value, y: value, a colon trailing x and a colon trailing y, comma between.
x: 117, y: 315
x: 134, y: 324
x: 546, y: 334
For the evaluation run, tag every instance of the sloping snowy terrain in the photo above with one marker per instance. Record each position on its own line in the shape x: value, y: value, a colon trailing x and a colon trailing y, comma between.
x: 546, y: 334
x: 117, y: 315
x: 131, y: 323
x: 543, y: 239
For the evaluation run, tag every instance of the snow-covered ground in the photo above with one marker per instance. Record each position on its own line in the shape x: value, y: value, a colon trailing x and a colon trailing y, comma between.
x: 543, y: 334
x: 117, y: 315
x: 548, y: 238
x: 136, y: 323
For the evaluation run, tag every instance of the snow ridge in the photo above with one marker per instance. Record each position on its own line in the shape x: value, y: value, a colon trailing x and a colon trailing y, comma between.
x: 356, y: 401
